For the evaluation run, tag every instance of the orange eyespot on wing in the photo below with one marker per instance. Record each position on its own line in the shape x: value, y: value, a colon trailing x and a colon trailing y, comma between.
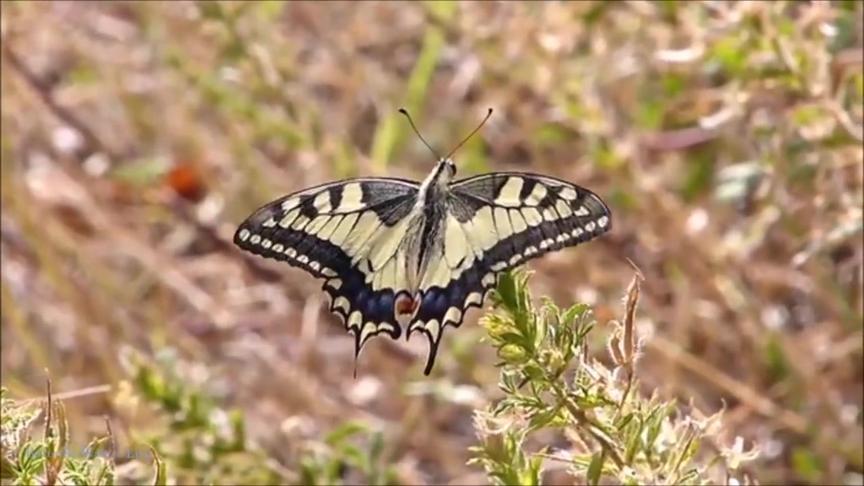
x: 406, y: 305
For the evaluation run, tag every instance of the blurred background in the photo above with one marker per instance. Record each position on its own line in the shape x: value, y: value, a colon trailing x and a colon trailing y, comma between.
x: 726, y: 137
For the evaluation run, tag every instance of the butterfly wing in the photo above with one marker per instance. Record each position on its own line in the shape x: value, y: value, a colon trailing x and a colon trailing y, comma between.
x: 496, y: 222
x: 347, y: 233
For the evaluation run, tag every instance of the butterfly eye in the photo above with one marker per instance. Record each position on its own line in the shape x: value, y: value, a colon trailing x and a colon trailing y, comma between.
x: 451, y: 167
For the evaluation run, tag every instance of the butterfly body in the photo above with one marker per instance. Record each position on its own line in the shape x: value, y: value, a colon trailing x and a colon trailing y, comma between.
x: 430, y: 210
x: 397, y: 255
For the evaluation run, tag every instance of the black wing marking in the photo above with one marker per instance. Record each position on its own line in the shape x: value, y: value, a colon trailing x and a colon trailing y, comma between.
x: 329, y: 231
x: 506, y: 219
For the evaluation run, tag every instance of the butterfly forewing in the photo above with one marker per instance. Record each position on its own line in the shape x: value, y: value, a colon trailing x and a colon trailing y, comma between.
x: 343, y: 232
x: 530, y: 214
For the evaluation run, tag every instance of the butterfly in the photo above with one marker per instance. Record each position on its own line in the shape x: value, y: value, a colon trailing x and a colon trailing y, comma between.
x: 403, y: 256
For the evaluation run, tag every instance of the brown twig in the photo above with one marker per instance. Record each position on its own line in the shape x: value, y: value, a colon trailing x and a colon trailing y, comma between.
x: 112, y: 446
x: 92, y: 143
x: 90, y: 390
x: 49, y: 407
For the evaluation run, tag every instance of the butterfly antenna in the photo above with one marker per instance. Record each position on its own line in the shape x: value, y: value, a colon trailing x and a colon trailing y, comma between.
x: 414, y: 127
x: 488, y: 114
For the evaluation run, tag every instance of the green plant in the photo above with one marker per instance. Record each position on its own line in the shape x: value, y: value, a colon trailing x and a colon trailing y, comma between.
x: 48, y: 459
x: 327, y: 462
x: 551, y: 382
x: 206, y: 444
x: 198, y: 442
x: 201, y: 442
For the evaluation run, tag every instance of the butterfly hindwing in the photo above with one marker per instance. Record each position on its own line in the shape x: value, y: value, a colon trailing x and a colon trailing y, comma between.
x: 343, y: 232
x: 446, y: 305
x: 500, y: 221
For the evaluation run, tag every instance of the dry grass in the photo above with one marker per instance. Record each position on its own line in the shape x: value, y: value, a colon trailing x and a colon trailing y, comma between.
x: 726, y: 137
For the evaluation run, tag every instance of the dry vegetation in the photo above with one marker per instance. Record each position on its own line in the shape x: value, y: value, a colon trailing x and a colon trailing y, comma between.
x: 726, y: 137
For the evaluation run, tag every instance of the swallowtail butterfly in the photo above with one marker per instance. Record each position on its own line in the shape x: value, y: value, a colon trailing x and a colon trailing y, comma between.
x: 401, y: 256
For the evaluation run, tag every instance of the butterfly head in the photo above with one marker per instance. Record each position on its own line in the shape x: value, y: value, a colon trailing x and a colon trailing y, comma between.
x: 449, y: 169
x: 444, y: 173
x: 446, y: 167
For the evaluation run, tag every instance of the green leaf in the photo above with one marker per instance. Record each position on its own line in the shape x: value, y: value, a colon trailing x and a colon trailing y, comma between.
x: 345, y: 431
x: 551, y: 134
x: 512, y: 353
x: 513, y: 338
x: 729, y: 54
x: 624, y: 421
x: 93, y: 448
x: 632, y: 441
x: 806, y: 464
x: 544, y: 418
x: 443, y: 9
x: 691, y: 476
x: 211, y: 10
x: 352, y: 455
x: 650, y: 114
x: 673, y: 84
x: 160, y: 474
x: 238, y: 429
x: 595, y: 468
x: 376, y: 449
x: 508, y: 292
x: 535, y: 470
x: 31, y: 456
x: 140, y: 172
x: 269, y: 10
x: 698, y: 173
x: 573, y: 313
x: 775, y: 358
x: 654, y: 423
